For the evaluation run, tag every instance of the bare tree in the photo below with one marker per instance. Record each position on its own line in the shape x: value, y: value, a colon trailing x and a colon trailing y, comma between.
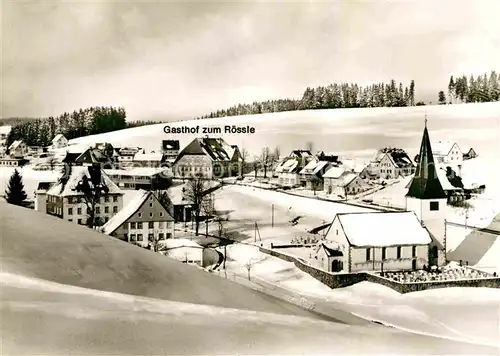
x: 93, y: 189
x: 266, y: 159
x: 155, y: 241
x: 52, y: 161
x: 196, y: 194
x: 315, y: 183
x: 244, y: 158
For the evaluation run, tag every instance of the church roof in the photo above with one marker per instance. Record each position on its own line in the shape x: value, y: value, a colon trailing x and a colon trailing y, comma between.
x: 425, y: 183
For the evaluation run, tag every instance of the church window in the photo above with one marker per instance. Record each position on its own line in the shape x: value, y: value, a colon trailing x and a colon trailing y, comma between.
x: 434, y: 205
x: 399, y: 252
x: 368, y: 254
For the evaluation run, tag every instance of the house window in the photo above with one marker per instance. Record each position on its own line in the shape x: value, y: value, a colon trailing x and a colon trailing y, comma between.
x: 414, y: 251
x: 139, y: 225
x: 161, y: 236
x: 79, y: 221
x: 106, y: 209
x: 161, y: 225
x: 115, y: 199
x: 169, y: 235
x: 151, y: 198
x: 79, y: 211
x: 140, y: 215
x: 383, y: 253
x: 97, y: 209
x: 150, y: 215
x: 132, y: 237
x: 151, y: 225
x: 399, y: 252
x: 151, y: 237
x: 139, y: 237
x: 161, y: 213
x: 115, y: 209
x: 70, y: 220
x: 70, y: 211
x: 434, y: 205
x: 368, y: 254
x: 106, y: 219
x: 106, y: 199
x: 150, y: 205
x: 125, y: 236
x: 132, y: 225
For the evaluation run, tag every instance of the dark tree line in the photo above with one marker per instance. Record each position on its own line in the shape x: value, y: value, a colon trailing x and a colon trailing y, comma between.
x: 91, y: 121
x: 333, y: 96
x: 480, y: 89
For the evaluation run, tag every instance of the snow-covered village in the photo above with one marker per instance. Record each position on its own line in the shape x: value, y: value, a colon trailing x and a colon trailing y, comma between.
x: 325, y: 224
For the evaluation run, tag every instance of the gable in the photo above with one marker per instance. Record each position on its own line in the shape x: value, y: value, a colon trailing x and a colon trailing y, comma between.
x: 387, y: 159
x: 150, y: 206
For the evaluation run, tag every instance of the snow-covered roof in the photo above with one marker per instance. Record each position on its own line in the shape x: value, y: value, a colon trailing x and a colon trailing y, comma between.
x: 443, y: 179
x: 176, y: 195
x: 138, y: 171
x: 442, y: 148
x: 288, y: 165
x: 334, y: 172
x: 382, y: 229
x: 182, y: 249
x: 314, y: 167
x: 77, y: 173
x: 347, y: 178
x: 58, y: 137
x: 148, y: 157
x: 124, y: 214
x: 15, y: 144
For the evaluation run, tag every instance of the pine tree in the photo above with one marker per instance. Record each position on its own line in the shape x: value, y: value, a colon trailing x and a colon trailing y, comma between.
x: 451, y: 89
x: 441, y: 98
x: 15, y: 194
x: 412, y: 93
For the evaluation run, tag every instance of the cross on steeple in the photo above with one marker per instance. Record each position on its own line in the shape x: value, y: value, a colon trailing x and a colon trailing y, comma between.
x: 425, y: 119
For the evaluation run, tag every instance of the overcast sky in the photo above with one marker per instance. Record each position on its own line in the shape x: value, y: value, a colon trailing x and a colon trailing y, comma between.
x: 171, y: 60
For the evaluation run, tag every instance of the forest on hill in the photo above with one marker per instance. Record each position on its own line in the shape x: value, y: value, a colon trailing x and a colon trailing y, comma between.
x: 332, y: 96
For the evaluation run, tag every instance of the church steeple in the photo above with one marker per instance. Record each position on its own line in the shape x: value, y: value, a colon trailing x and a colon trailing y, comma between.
x: 425, y: 183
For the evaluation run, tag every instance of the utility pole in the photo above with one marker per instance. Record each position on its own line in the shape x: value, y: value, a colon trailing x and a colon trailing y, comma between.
x: 225, y: 256
x: 272, y: 216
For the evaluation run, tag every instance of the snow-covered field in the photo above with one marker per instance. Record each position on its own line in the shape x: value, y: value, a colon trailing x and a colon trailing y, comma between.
x: 62, y: 319
x: 359, y: 131
x: 76, y: 297
x: 457, y: 313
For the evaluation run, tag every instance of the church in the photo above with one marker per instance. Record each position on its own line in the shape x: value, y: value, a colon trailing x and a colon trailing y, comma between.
x: 427, y: 199
x: 392, y: 241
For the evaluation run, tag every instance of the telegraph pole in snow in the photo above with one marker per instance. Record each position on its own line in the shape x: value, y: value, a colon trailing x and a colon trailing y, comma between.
x: 272, y: 215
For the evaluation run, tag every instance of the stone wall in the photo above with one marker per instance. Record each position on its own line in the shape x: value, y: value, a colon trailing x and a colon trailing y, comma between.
x: 340, y: 280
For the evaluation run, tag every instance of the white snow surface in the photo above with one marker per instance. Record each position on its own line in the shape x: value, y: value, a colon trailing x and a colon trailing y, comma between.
x: 126, y: 324
x: 5, y: 129
x: 299, y: 205
x: 439, y: 312
x: 182, y: 249
x: 383, y: 229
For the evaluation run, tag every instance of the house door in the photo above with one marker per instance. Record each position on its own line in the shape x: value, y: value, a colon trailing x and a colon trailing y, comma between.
x: 433, y: 256
x: 414, y: 264
x: 336, y: 266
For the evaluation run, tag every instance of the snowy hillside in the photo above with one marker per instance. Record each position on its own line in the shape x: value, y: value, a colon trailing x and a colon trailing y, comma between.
x: 86, y: 293
x: 361, y: 131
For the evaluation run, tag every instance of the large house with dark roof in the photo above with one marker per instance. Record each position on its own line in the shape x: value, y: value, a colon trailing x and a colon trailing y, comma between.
x: 391, y: 163
x: 211, y: 158
x: 66, y: 203
x: 143, y: 221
